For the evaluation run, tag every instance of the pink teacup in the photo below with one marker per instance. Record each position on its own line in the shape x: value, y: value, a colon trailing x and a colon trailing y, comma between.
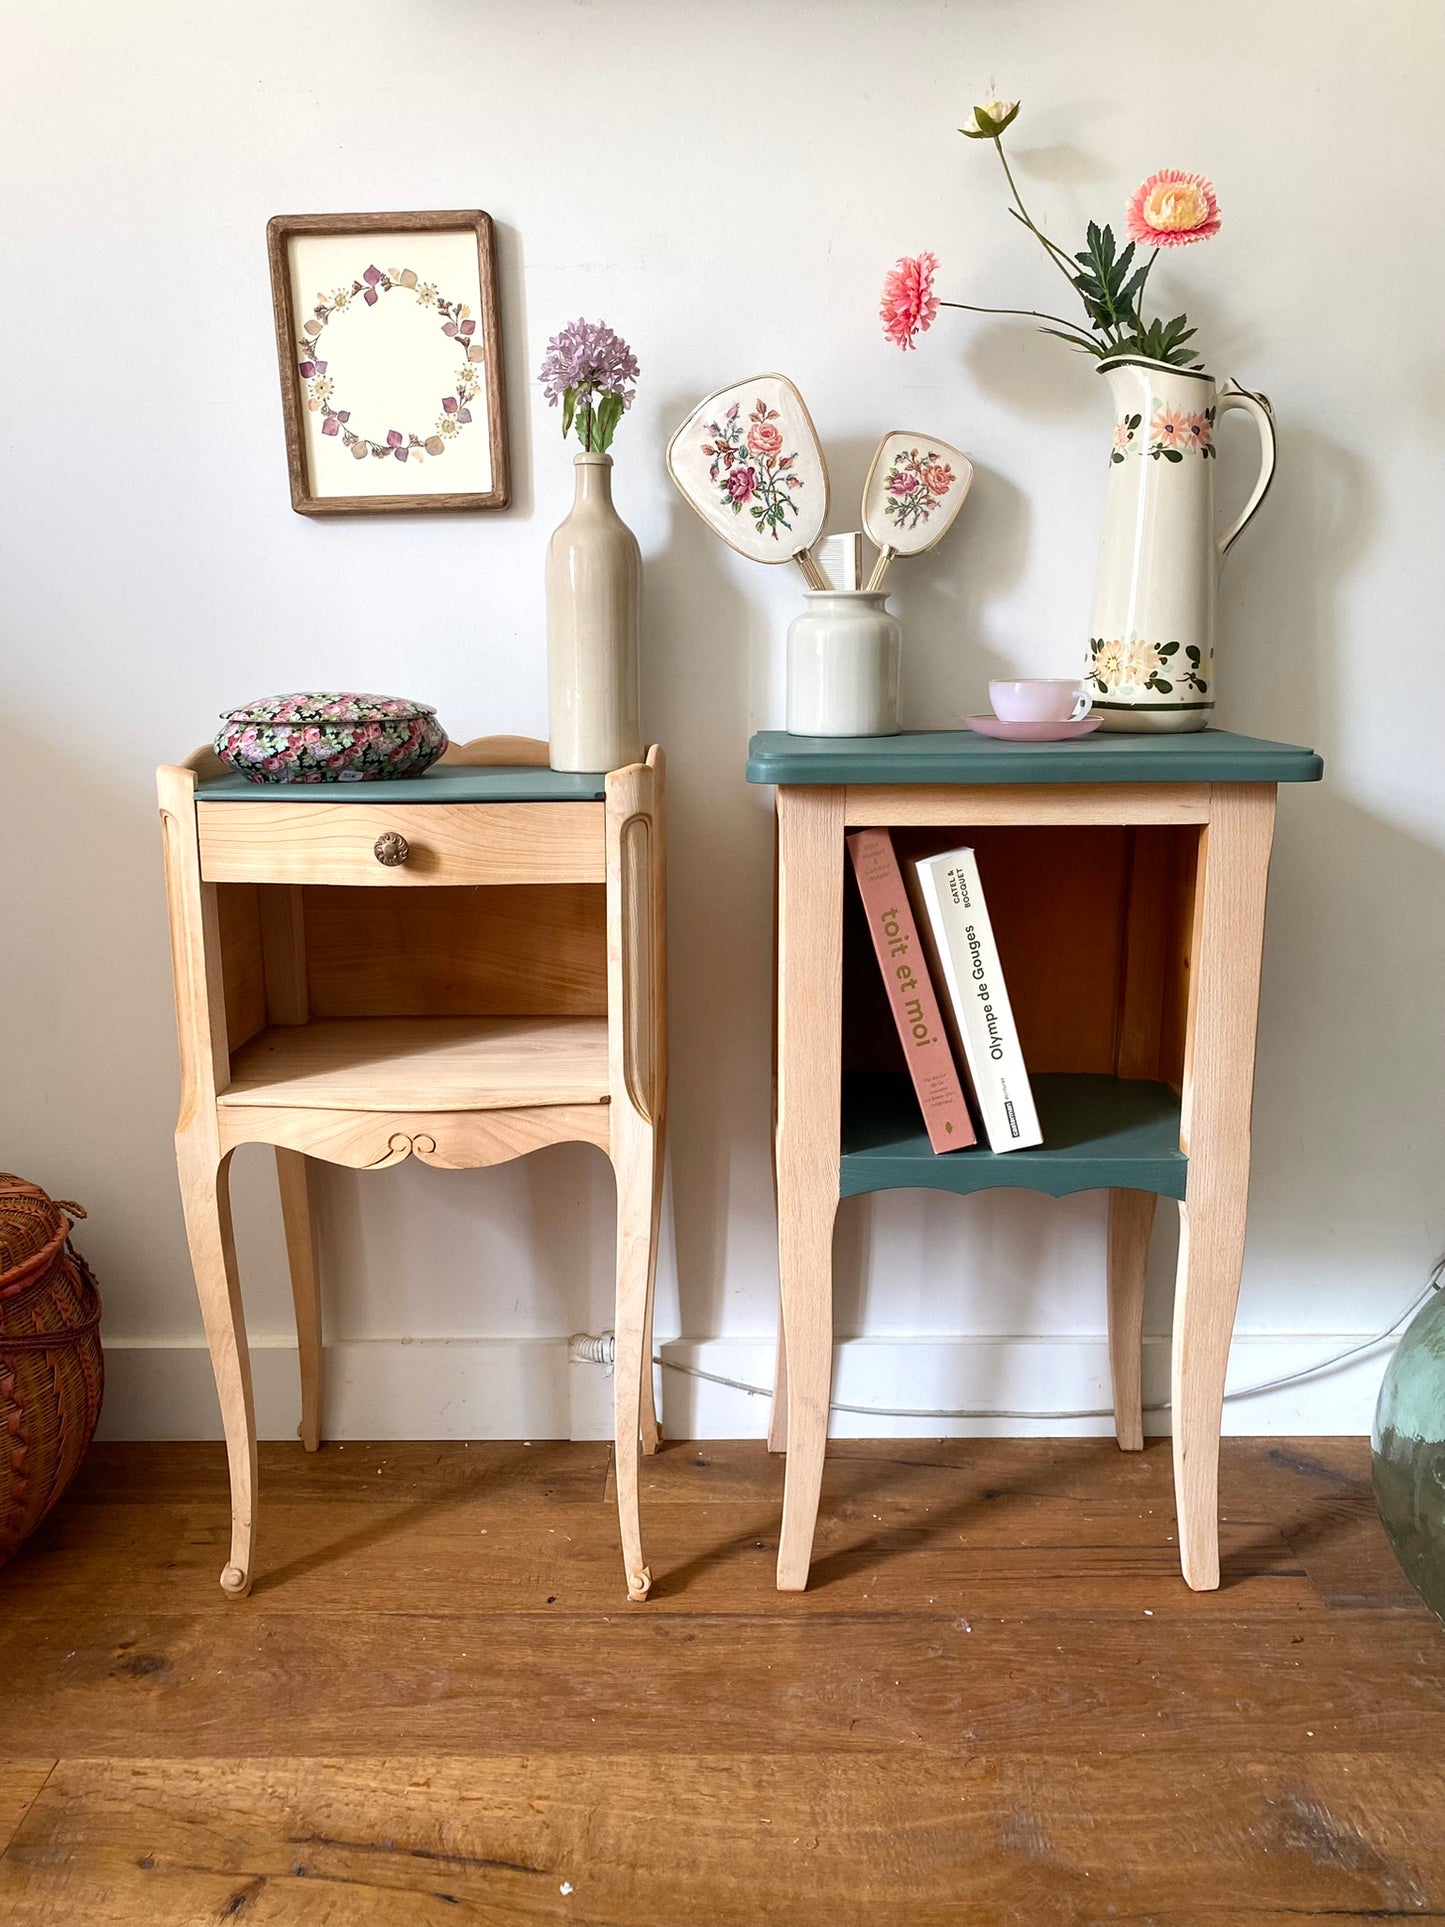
x: 1040, y: 700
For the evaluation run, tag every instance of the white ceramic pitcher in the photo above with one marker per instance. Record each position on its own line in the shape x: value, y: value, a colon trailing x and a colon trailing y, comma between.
x: 1151, y: 640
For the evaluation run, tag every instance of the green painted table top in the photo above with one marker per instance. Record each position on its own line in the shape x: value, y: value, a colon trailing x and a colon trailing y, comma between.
x: 1099, y: 1133
x: 958, y: 756
x: 444, y: 783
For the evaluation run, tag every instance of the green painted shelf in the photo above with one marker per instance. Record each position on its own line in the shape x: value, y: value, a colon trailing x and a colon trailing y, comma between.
x: 958, y: 756
x: 446, y: 783
x: 1099, y: 1133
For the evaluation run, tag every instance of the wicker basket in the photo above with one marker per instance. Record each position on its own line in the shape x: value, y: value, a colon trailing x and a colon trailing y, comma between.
x: 52, y: 1373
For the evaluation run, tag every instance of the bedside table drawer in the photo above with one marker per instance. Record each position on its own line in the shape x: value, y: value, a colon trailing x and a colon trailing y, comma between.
x: 420, y: 843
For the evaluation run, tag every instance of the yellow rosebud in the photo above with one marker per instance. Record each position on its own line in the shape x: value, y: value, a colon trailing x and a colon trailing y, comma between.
x: 990, y: 120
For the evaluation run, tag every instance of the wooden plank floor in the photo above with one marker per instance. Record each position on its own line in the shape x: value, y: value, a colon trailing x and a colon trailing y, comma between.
x: 996, y: 1703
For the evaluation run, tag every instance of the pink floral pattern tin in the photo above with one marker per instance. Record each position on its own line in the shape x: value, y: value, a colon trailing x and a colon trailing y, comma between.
x: 314, y: 737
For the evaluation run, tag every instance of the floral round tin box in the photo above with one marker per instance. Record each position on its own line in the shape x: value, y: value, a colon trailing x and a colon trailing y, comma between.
x: 313, y: 737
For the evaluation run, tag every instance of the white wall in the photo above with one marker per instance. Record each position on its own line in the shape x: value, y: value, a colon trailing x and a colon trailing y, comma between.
x: 725, y: 185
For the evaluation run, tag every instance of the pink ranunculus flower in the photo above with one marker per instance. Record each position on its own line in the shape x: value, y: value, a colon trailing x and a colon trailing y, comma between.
x: 1171, y: 209
x: 939, y: 477
x: 764, y: 439
x: 909, y: 304
x: 741, y: 483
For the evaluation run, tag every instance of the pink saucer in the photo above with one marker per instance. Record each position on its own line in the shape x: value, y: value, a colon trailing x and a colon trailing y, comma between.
x: 1032, y: 732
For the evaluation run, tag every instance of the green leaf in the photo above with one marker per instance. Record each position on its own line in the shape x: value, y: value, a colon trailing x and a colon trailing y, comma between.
x: 1076, y: 341
x: 569, y: 409
x: 609, y: 414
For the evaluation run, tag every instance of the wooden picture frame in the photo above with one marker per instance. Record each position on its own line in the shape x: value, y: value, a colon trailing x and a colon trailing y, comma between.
x: 327, y: 268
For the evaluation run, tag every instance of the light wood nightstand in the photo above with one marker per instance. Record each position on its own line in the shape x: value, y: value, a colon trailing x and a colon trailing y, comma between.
x: 1126, y: 882
x: 461, y: 967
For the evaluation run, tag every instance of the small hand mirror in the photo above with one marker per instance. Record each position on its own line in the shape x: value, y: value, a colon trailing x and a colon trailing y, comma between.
x: 749, y: 461
x: 915, y: 487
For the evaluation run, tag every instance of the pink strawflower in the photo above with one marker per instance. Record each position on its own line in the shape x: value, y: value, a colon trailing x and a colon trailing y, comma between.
x: 1171, y: 209
x: 909, y: 303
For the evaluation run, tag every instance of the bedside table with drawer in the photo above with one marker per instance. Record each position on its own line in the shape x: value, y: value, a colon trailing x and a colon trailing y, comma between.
x: 460, y: 967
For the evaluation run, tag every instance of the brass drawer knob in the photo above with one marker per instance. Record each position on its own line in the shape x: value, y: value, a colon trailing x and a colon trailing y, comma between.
x: 391, y: 847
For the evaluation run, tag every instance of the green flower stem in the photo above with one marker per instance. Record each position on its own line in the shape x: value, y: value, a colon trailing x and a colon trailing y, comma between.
x: 1139, y: 297
x: 1060, y: 259
x: 1033, y: 314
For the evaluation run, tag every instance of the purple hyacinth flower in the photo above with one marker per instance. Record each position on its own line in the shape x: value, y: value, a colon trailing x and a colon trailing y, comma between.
x: 588, y: 356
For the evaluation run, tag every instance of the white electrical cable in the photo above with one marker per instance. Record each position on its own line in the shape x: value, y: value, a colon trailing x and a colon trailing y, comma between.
x: 1000, y: 1411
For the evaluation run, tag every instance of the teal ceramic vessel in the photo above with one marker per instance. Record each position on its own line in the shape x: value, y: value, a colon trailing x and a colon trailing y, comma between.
x: 1409, y: 1453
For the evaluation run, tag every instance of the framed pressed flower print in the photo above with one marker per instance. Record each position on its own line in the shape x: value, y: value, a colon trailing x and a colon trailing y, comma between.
x: 390, y: 350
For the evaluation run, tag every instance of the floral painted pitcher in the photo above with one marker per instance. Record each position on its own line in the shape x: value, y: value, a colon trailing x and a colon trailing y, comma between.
x: 1151, y: 641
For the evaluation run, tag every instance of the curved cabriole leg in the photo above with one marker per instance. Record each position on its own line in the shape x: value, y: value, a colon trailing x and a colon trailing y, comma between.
x: 1131, y: 1218
x: 807, y: 1206
x: 206, y: 1198
x: 651, y: 1427
x: 637, y: 1085
x: 778, y: 1413
x: 1211, y: 1260
x: 810, y: 995
x: 634, y: 1162
x: 778, y: 1417
x: 293, y: 1177
x: 1228, y: 942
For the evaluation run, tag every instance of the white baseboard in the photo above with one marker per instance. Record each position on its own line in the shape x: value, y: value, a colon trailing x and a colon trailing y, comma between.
x: 484, y: 1388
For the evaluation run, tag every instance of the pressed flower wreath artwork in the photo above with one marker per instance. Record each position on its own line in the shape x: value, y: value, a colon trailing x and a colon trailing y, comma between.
x: 386, y: 328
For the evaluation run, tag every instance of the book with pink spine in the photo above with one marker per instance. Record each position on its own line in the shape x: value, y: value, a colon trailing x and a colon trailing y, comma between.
x: 911, y: 996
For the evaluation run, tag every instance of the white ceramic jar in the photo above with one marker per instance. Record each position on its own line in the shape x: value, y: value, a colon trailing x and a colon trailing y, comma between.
x: 843, y: 658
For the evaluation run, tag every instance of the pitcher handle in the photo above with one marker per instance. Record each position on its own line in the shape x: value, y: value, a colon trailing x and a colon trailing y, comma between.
x: 1233, y: 396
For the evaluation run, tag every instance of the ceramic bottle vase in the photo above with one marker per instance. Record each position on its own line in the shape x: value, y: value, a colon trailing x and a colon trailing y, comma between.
x: 594, y: 581
x: 843, y: 660
x: 1151, y: 641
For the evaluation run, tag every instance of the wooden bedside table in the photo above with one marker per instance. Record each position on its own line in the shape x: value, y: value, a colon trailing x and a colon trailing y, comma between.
x: 461, y: 967
x: 1126, y: 880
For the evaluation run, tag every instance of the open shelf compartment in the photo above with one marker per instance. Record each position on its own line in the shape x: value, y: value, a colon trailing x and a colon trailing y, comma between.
x: 452, y: 998
x: 1094, y: 924
x: 1099, y: 1132
x: 423, y: 1064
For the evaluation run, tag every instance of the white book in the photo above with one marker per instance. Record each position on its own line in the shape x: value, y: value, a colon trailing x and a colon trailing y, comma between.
x: 967, y: 961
